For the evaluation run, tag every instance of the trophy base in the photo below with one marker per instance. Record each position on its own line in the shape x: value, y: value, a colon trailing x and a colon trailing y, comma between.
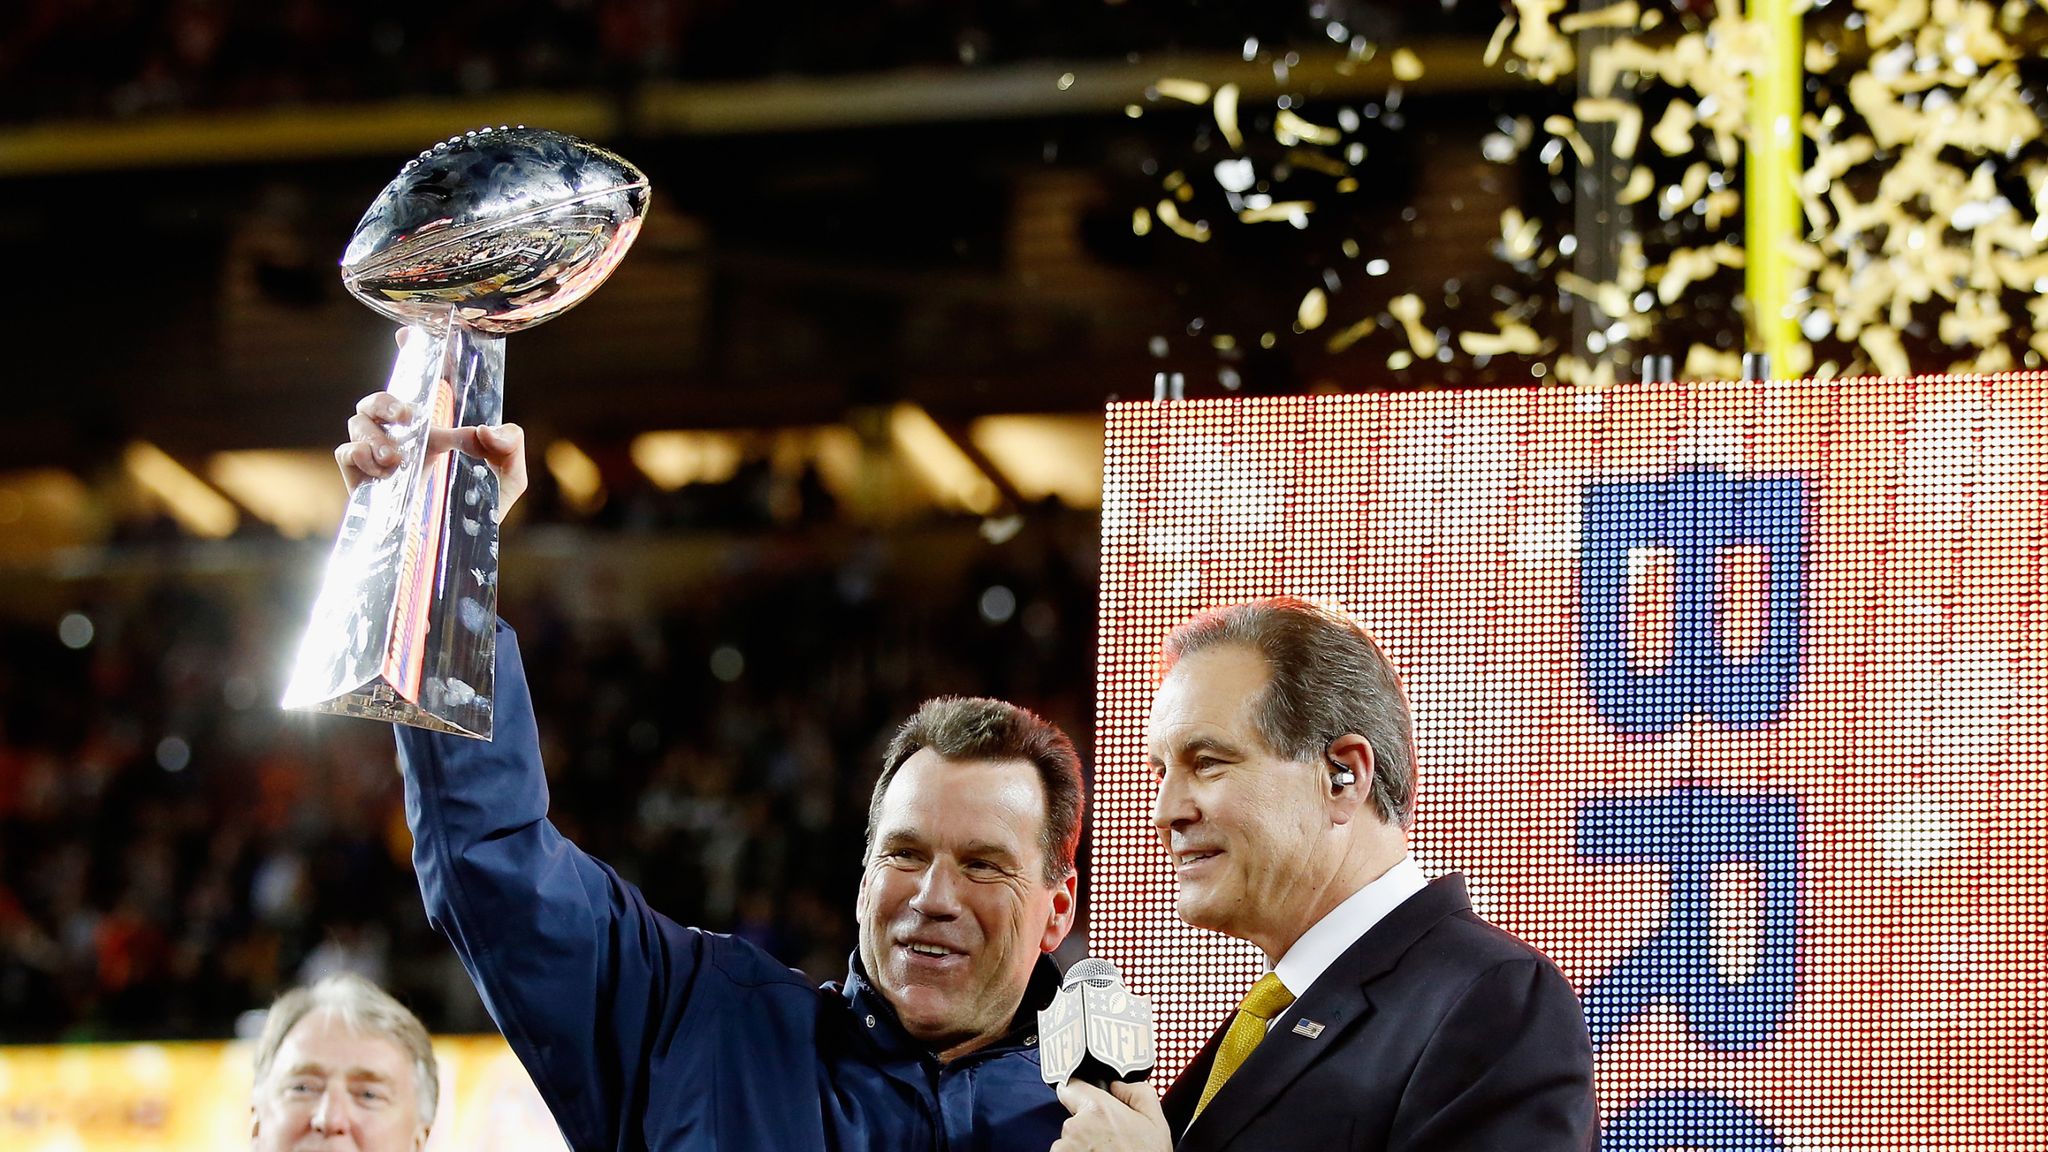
x: 380, y: 701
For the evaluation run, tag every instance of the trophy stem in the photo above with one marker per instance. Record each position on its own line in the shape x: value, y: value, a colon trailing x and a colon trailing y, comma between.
x: 404, y: 629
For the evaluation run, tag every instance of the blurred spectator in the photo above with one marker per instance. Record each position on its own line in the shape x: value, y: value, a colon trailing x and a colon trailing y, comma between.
x: 341, y: 1063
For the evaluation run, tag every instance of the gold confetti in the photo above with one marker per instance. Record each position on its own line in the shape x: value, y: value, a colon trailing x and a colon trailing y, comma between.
x: 1294, y: 212
x: 1348, y: 336
x: 1314, y: 309
x: 1885, y: 351
x: 1922, y: 188
x: 1994, y: 358
x: 1141, y: 221
x: 1627, y: 119
x: 1170, y: 216
x: 1316, y: 161
x: 1977, y: 321
x: 1188, y: 91
x: 1499, y: 41
x: 1691, y: 186
x: 1832, y: 161
x: 1608, y: 296
x: 1289, y: 128
x: 1687, y: 266
x: 1408, y: 310
x: 1400, y: 358
x: 1704, y: 363
x: 1519, y: 339
x: 1889, y: 21
x: 1225, y: 107
x: 1639, y: 185
x: 1579, y: 374
x: 1518, y: 235
x: 1537, y: 44
x: 1673, y: 133
x: 1622, y: 15
x: 1721, y: 205
x: 1567, y: 130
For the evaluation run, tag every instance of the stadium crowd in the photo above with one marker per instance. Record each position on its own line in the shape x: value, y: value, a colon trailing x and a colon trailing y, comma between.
x: 126, y: 58
x: 175, y: 850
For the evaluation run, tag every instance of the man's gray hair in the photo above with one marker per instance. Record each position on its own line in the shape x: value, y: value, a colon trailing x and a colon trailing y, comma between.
x: 976, y: 728
x: 367, y: 1010
x: 1329, y: 679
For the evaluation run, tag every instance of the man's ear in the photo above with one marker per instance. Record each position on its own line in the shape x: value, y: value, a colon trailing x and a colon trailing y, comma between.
x: 1350, y: 756
x: 860, y: 899
x: 1065, y: 897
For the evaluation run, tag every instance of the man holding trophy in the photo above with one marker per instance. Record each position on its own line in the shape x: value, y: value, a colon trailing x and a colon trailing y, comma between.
x: 638, y: 1031
x: 643, y: 1033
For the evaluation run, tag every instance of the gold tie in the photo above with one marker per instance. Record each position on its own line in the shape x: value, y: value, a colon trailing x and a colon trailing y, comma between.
x: 1267, y: 998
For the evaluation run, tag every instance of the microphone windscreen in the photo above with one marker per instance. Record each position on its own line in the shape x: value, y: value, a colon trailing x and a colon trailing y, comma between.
x: 1094, y: 1029
x: 1093, y: 969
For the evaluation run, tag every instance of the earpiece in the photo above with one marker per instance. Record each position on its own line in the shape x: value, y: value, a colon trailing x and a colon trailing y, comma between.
x: 1340, y: 776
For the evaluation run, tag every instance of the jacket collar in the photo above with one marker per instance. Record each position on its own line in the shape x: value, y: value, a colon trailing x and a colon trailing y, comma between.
x: 1337, y: 1001
x: 875, y: 1017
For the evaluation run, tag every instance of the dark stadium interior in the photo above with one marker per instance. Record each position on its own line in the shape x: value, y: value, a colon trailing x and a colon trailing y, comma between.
x: 857, y: 207
x: 834, y: 233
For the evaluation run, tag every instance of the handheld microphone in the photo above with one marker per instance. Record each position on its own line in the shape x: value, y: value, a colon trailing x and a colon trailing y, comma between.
x: 1095, y: 1030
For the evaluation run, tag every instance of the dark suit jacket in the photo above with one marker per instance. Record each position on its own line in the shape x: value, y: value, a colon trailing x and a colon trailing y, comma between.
x: 1440, y: 1033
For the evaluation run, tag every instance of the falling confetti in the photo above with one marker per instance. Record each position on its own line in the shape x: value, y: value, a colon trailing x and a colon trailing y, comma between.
x: 1920, y: 217
x: 1916, y: 255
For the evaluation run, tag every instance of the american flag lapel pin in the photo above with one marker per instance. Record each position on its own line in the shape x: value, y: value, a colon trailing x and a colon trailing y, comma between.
x: 1307, y: 1027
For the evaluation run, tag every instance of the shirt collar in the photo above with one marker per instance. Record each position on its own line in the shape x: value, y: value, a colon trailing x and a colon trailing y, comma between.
x: 1342, y: 926
x: 877, y: 1017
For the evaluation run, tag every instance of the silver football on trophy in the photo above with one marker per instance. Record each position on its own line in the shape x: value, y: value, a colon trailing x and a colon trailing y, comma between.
x: 485, y: 234
x: 507, y: 226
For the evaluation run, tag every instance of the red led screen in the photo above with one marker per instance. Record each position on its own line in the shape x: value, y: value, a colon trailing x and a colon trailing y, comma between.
x: 1730, y: 697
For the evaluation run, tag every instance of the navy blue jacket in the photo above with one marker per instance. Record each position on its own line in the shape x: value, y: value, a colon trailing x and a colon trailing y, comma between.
x: 644, y: 1034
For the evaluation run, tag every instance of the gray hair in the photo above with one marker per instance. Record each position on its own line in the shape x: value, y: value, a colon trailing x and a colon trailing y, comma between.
x: 976, y: 728
x: 1329, y: 679
x: 365, y: 1009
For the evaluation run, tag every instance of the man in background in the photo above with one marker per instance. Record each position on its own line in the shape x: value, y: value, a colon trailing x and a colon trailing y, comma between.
x: 1390, y: 1016
x: 341, y: 1064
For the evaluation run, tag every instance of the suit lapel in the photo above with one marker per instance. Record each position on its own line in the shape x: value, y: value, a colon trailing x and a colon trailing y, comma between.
x: 1337, y: 1001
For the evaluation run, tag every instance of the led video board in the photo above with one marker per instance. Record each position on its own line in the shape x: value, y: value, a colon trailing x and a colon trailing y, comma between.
x: 1730, y: 697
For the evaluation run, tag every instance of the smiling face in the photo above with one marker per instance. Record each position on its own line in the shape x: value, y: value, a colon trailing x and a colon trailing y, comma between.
x: 954, y: 906
x: 331, y: 1087
x: 1249, y: 832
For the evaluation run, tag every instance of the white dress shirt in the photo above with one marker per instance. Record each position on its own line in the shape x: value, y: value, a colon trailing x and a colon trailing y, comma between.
x: 1343, y: 925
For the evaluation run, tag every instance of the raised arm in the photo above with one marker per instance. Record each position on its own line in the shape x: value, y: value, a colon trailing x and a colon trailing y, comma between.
x: 622, y: 1016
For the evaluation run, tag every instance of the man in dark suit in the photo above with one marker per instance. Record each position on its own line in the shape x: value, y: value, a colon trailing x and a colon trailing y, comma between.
x: 1391, y: 1017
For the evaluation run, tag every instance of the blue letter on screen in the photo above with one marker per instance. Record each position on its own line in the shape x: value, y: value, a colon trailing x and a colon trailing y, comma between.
x: 1689, y: 1121
x: 1695, y: 515
x: 1689, y: 831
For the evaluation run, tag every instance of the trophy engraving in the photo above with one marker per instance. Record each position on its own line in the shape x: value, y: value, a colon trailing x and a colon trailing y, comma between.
x: 485, y: 234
